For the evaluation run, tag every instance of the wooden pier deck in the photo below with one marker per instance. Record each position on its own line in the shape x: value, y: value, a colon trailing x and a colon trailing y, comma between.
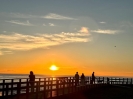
x: 62, y: 87
x: 106, y: 92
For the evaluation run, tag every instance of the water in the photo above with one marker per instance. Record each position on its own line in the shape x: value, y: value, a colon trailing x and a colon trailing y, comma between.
x: 18, y: 76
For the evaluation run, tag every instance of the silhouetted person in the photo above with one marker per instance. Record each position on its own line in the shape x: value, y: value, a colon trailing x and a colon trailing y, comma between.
x: 93, y: 78
x: 82, y: 79
x: 76, y: 79
x: 31, y: 80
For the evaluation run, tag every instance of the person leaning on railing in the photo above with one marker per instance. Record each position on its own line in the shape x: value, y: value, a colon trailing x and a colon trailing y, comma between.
x: 31, y: 80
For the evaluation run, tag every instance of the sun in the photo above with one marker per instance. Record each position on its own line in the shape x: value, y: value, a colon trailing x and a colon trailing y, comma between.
x: 53, y: 67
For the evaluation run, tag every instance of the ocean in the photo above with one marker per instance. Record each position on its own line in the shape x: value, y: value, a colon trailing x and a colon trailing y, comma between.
x: 18, y: 76
x: 24, y: 77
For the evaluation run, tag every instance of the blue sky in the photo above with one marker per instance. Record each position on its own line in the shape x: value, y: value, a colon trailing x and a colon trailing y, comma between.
x: 84, y: 29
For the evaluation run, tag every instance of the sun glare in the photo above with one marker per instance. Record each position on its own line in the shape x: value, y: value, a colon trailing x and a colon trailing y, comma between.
x: 53, y: 67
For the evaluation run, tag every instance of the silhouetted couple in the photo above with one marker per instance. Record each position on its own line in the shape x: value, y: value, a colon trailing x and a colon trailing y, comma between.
x: 31, y: 80
x: 77, y: 79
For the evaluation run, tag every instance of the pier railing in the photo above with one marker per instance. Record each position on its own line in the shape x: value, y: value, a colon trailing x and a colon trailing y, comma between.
x: 51, y: 87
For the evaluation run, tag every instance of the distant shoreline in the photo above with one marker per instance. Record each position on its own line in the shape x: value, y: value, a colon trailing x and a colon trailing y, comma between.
x: 10, y: 74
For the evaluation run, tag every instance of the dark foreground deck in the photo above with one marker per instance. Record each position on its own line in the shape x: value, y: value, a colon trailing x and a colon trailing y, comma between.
x: 106, y: 92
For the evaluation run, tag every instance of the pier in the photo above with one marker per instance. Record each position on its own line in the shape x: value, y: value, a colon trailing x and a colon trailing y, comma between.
x: 53, y: 87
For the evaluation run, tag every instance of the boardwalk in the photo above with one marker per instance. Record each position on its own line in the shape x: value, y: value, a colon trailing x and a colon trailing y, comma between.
x: 112, y: 92
x: 59, y: 87
x: 106, y: 92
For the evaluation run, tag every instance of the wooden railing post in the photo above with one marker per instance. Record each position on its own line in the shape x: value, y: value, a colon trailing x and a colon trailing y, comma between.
x: 27, y: 90
x: 90, y: 80
x: 12, y: 87
x: 48, y: 83
x: 7, y: 89
x: 115, y: 81
x: 69, y: 85
x: 44, y: 88
x: 131, y: 81
x: 99, y: 78
x: 18, y: 88
x: 37, y: 89
x: 51, y: 88
x: 103, y: 80
x: 127, y: 81
x: 3, y: 87
x: 57, y: 87
x: 123, y: 81
x: 39, y: 84
x: 111, y: 80
x: 27, y: 80
x: 72, y: 85
x: 63, y: 86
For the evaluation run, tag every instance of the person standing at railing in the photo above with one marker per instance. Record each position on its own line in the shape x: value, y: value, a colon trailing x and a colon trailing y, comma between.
x: 93, y: 78
x: 31, y: 80
x: 76, y: 79
x: 82, y: 79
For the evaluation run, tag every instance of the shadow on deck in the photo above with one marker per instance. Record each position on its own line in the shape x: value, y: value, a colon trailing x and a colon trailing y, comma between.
x: 106, y: 92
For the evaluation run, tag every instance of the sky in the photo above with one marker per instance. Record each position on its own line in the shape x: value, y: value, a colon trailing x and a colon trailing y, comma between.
x: 74, y: 35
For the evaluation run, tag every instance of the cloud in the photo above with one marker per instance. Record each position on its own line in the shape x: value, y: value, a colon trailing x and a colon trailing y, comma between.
x: 19, y: 15
x: 1, y: 53
x: 84, y: 30
x: 126, y: 24
x: 51, y: 24
x: 102, y: 22
x: 17, y: 41
x: 47, y: 16
x: 105, y: 31
x: 7, y: 52
x: 4, y: 31
x: 27, y: 23
x: 44, y: 24
x: 57, y: 17
x: 7, y: 71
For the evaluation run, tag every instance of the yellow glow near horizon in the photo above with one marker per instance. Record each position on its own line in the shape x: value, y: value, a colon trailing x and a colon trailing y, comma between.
x: 53, y: 67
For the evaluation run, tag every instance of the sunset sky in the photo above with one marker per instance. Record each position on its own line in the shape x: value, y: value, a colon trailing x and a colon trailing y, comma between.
x: 74, y: 35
